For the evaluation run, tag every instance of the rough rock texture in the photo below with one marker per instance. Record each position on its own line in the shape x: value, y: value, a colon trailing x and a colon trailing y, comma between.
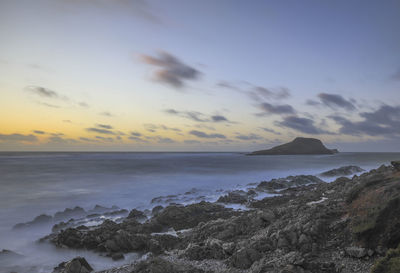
x: 311, y: 226
x: 299, y: 145
x: 345, y: 170
x: 76, y: 265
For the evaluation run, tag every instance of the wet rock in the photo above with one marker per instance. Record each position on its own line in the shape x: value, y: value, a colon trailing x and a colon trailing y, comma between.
x: 39, y: 220
x: 342, y: 171
x: 288, y: 182
x: 180, y: 217
x: 76, y: 265
x: 156, y: 210
x: 136, y: 214
x: 68, y: 213
x: 234, y: 197
x: 396, y: 165
x: 117, y: 256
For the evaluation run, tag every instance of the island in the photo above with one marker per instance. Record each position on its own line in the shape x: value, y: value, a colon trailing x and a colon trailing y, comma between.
x: 299, y: 146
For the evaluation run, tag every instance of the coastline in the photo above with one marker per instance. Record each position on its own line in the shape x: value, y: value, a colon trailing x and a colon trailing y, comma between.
x: 305, y: 225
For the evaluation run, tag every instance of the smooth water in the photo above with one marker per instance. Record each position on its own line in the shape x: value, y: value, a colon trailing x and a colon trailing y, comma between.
x: 36, y: 183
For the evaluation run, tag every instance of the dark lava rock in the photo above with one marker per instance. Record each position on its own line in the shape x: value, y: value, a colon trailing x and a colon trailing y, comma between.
x: 39, y: 220
x: 345, y: 170
x: 159, y: 265
x: 298, y: 146
x: 117, y: 256
x: 288, y: 182
x: 76, y: 265
x: 180, y: 217
x: 245, y: 257
x: 68, y: 213
x: 234, y: 197
x: 136, y: 214
x: 396, y: 165
x: 156, y: 210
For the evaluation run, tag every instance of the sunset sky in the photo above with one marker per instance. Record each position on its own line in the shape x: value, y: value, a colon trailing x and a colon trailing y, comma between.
x: 136, y: 75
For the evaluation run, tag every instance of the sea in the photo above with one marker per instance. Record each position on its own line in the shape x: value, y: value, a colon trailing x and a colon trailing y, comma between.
x: 34, y: 183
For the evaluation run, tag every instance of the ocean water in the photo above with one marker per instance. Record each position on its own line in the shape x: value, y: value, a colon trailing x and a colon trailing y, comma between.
x: 37, y: 183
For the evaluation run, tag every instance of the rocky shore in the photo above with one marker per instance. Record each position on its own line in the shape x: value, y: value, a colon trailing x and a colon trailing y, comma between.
x: 349, y: 225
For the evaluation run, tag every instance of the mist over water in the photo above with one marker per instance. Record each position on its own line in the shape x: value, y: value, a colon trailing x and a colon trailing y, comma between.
x: 37, y: 183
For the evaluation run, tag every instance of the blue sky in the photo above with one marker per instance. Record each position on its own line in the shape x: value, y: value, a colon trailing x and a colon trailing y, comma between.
x: 138, y: 75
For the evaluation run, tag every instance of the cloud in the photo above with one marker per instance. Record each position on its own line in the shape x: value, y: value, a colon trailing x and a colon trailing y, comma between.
x: 312, y: 103
x: 100, y: 131
x: 205, y: 135
x: 83, y: 104
x: 49, y: 105
x: 191, y: 141
x: 17, y: 138
x: 106, y: 114
x: 283, y: 109
x: 171, y: 70
x: 137, y: 134
x: 104, y: 126
x: 198, y: 116
x: 60, y: 140
x: 165, y: 140
x: 43, y: 92
x: 249, y: 137
x: 304, y: 125
x: 67, y: 121
x: 336, y: 101
x: 385, y: 121
x: 270, y: 130
x: 107, y: 139
x: 259, y: 92
x: 88, y: 139
x: 154, y: 128
x: 39, y: 132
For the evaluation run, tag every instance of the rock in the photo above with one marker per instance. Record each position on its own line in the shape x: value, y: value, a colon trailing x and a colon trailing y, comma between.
x: 345, y: 170
x: 356, y: 252
x: 68, y: 213
x: 117, y: 256
x: 159, y: 265
x: 299, y: 145
x: 396, y: 165
x: 136, y: 214
x: 76, y: 265
x: 156, y: 210
x: 267, y: 216
x: 245, y: 257
x: 234, y: 197
x: 39, y: 220
x: 180, y: 217
x: 288, y: 182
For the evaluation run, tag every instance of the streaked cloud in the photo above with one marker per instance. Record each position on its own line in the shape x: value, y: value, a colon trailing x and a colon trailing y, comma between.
x: 17, y: 138
x: 303, y: 125
x: 171, y: 70
x: 202, y: 134
x: 336, y: 101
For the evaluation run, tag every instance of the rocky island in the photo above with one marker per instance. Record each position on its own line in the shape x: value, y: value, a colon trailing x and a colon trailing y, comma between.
x: 299, y: 146
x: 305, y: 225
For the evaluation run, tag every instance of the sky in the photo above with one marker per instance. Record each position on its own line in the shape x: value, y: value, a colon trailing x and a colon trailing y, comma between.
x: 185, y: 75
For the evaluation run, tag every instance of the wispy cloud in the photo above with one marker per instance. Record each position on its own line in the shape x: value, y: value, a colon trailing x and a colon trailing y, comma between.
x: 17, y: 138
x: 279, y: 109
x: 171, y: 70
x: 202, y: 134
x: 154, y: 128
x: 336, y: 101
x: 198, y: 116
x: 304, y: 125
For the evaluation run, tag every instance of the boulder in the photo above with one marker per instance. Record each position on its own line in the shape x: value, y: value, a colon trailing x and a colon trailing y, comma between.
x: 76, y: 265
x: 396, y: 165
x: 136, y: 214
x: 245, y: 257
x: 234, y: 197
x: 342, y: 171
x: 356, y: 252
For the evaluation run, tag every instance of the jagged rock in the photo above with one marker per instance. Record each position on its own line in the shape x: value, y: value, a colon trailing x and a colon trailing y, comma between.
x: 245, y: 257
x: 234, y: 197
x: 156, y: 210
x: 39, y: 220
x: 136, y: 214
x: 68, y: 213
x: 117, y: 256
x: 76, y: 265
x: 180, y: 217
x: 158, y: 265
x: 345, y: 170
x: 396, y: 165
x: 290, y: 181
x: 356, y: 252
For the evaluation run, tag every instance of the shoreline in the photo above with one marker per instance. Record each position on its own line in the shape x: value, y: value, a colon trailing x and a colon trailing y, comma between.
x: 185, y: 238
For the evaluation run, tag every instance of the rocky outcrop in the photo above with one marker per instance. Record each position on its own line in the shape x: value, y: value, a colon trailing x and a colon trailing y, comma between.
x: 342, y: 171
x: 308, y: 226
x: 76, y: 265
x: 299, y: 146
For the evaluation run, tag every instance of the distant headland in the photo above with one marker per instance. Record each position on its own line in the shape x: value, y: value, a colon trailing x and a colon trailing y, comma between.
x: 299, y: 146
